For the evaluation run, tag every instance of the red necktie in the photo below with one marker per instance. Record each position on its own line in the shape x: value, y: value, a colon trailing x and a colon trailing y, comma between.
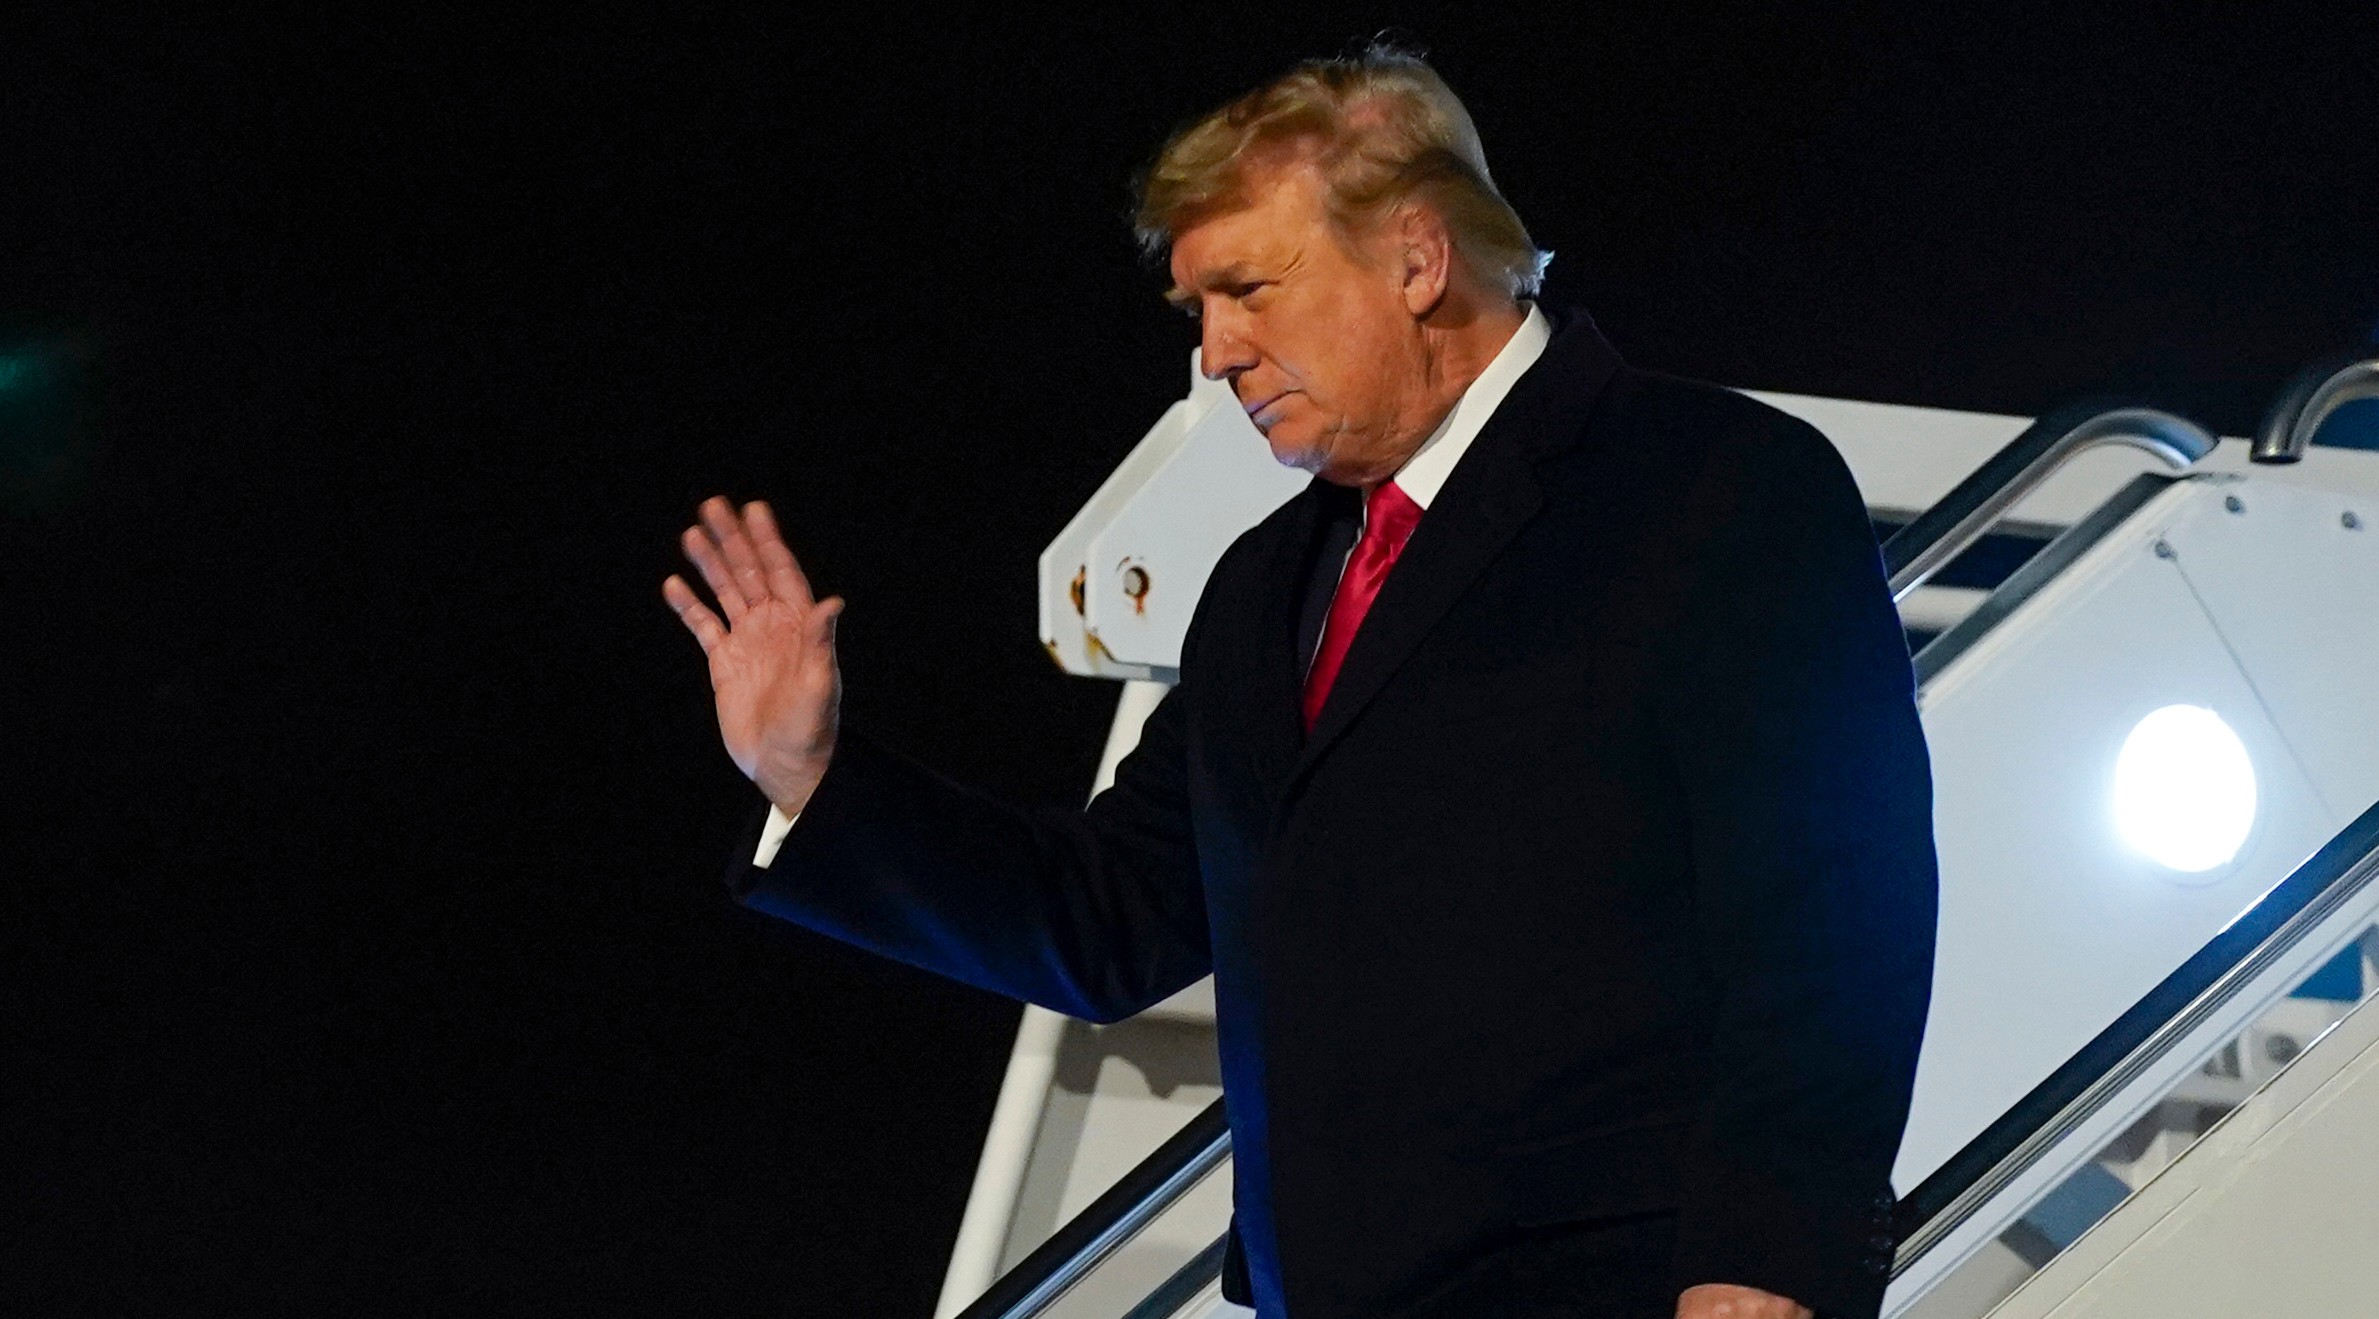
x: 1389, y: 517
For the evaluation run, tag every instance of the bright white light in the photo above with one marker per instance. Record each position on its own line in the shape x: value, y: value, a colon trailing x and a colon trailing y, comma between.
x: 2184, y: 789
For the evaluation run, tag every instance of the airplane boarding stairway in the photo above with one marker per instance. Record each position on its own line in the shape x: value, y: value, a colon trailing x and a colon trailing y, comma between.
x: 2145, y: 665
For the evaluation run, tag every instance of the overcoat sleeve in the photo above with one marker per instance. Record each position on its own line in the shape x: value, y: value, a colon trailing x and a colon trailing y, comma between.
x: 1095, y: 913
x: 1788, y: 713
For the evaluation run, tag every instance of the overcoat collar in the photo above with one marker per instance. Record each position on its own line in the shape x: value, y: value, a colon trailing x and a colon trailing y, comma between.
x: 1492, y: 494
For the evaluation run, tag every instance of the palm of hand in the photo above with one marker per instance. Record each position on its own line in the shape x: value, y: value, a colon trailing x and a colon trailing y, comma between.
x: 777, y: 688
x: 772, y: 663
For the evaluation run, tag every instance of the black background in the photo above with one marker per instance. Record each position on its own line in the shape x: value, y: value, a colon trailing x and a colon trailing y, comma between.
x: 365, y: 947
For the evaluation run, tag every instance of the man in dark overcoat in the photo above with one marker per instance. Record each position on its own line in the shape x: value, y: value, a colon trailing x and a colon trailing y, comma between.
x: 1543, y: 786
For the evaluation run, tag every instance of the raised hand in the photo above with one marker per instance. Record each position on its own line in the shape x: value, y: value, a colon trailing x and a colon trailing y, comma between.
x: 772, y: 663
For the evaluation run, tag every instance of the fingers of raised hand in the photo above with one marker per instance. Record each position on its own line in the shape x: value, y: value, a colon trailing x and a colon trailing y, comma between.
x: 735, y: 545
x: 705, y: 556
x: 704, y: 624
x: 786, y: 581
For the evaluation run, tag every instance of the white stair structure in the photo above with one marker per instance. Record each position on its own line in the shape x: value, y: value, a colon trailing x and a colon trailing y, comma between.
x: 2248, y: 591
x: 2269, y: 1214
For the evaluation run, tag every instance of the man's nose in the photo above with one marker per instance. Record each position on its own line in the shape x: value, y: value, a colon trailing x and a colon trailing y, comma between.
x: 1223, y: 349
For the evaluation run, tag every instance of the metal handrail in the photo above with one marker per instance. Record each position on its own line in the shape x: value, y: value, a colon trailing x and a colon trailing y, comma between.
x: 1041, y: 1278
x: 1185, y: 1284
x: 2310, y: 399
x: 1971, y: 508
x: 2160, y: 1022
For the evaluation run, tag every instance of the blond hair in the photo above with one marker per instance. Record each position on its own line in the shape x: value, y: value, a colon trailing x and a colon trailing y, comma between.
x: 1381, y: 126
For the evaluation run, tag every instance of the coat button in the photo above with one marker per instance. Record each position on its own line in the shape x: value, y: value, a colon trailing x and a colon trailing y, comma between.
x: 1878, y: 1266
x: 1885, y: 1202
x: 1881, y: 1245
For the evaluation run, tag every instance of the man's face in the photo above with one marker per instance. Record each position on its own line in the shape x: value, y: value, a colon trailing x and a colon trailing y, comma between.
x: 1316, y: 340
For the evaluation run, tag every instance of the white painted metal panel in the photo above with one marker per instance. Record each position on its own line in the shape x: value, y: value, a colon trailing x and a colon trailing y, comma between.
x: 1120, y: 1092
x: 2050, y: 927
x: 1065, y: 564
x: 2292, y: 580
x: 1148, y: 565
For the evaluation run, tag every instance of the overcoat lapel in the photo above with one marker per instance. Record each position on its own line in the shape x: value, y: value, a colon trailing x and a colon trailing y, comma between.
x: 1491, y: 495
x: 1266, y: 677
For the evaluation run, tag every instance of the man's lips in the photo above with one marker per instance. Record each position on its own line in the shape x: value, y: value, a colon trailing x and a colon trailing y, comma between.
x: 1260, y: 404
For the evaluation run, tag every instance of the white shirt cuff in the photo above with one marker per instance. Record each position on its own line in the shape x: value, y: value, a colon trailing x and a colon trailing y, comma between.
x: 772, y: 834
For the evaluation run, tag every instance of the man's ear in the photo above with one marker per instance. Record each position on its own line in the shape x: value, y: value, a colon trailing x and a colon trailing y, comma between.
x: 1425, y: 258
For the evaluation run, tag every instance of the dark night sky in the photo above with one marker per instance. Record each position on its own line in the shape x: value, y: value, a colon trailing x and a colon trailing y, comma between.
x: 365, y: 945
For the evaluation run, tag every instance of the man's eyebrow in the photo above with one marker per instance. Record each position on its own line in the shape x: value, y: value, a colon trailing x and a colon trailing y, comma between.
x: 1238, y: 272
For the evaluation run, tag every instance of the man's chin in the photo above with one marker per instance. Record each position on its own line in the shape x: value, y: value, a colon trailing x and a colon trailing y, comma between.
x: 1306, y: 456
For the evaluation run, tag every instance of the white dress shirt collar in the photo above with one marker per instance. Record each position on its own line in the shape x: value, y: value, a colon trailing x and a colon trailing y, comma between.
x: 1425, y: 473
